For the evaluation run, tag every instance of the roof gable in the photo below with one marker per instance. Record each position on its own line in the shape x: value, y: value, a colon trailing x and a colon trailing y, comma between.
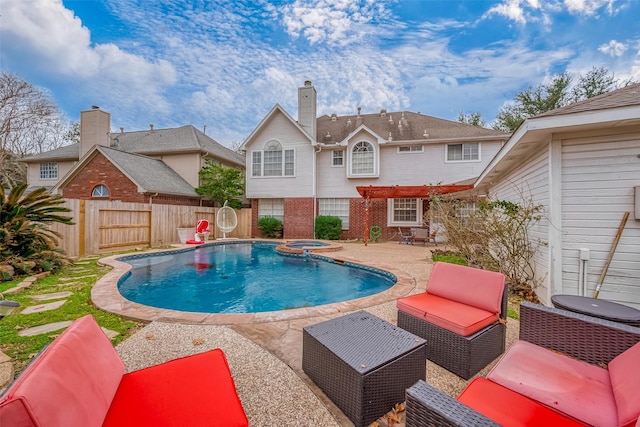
x: 149, y: 174
x: 275, y: 111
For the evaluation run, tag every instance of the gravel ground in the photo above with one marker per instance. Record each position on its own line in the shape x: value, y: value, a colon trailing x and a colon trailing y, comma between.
x: 273, y: 390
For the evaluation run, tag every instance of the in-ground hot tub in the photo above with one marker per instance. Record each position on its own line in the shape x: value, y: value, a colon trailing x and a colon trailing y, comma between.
x: 303, y: 246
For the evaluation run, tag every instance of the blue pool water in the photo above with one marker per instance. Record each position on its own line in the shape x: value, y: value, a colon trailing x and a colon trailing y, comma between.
x: 245, y: 278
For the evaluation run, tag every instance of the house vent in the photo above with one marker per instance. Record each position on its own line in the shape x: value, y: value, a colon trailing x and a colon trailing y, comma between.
x: 383, y: 113
x: 426, y: 135
x: 121, y: 130
x: 151, y: 127
x: 334, y: 117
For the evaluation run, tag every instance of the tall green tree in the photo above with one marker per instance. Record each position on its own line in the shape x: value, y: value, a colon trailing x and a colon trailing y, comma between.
x: 471, y: 119
x: 558, y: 92
x: 222, y: 183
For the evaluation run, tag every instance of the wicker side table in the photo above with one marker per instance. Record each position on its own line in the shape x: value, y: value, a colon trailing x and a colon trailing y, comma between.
x: 363, y: 363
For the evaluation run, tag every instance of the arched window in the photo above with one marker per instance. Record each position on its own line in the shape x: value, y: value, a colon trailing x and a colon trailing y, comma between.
x: 273, y: 161
x: 362, y: 159
x: 100, y: 191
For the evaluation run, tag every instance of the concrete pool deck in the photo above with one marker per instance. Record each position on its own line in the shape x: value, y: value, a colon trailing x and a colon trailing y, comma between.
x: 265, y: 353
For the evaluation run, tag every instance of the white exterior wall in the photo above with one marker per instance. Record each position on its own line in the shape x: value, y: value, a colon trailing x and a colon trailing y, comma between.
x: 415, y: 168
x: 290, y: 137
x: 33, y: 173
x: 599, y: 174
x: 530, y: 183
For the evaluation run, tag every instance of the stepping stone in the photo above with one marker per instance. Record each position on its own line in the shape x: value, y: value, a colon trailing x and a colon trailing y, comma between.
x: 15, y: 289
x: 82, y: 262
x: 43, y: 307
x: 43, y: 329
x: 55, y: 295
x: 109, y: 333
x: 68, y: 284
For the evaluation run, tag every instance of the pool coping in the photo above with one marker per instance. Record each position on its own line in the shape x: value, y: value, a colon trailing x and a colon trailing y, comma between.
x: 105, y: 296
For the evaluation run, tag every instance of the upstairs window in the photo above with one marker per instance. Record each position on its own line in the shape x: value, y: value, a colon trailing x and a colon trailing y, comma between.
x: 49, y: 170
x: 410, y: 149
x: 273, y: 161
x: 337, y: 158
x: 463, y: 152
x: 362, y: 159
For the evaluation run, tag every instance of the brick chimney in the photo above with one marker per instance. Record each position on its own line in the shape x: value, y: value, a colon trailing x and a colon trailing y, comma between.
x: 95, y: 126
x: 307, y: 109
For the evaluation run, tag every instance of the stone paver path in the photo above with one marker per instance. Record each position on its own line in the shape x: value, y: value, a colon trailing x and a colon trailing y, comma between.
x: 42, y: 329
x: 55, y: 295
x: 43, y: 307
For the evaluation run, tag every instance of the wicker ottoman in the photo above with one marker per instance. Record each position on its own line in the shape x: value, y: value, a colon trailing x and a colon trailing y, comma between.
x: 363, y: 363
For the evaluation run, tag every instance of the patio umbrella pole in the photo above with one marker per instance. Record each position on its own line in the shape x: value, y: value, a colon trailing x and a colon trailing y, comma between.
x: 611, y: 252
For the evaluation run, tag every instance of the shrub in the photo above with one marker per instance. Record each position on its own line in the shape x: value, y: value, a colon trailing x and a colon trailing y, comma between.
x: 270, y: 227
x: 328, y: 227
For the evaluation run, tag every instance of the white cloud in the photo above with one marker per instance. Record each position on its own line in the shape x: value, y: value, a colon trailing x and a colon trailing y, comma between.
x: 48, y: 37
x: 613, y: 48
x: 588, y: 7
x: 331, y: 21
x: 511, y: 9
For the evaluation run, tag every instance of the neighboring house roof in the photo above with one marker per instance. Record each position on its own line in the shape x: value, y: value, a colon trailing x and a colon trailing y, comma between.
x: 617, y: 108
x: 149, y: 174
x: 626, y: 96
x: 401, y: 126
x: 152, y: 142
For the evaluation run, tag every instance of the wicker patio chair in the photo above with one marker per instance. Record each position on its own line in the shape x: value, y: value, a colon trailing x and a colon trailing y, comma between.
x: 589, y: 339
x: 463, y: 354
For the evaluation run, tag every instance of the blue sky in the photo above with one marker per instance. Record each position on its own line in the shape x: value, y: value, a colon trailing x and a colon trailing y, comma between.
x: 224, y: 64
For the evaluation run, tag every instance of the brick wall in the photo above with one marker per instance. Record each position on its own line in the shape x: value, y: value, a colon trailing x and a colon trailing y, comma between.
x: 99, y: 170
x: 298, y: 218
x: 255, y: 231
x: 377, y: 216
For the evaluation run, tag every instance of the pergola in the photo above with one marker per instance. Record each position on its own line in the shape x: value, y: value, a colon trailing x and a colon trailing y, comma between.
x: 369, y: 192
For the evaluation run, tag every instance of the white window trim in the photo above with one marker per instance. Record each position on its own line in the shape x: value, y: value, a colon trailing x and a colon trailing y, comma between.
x: 411, y: 149
x: 376, y: 161
x: 344, y: 160
x: 261, y: 176
x: 392, y: 223
x: 57, y: 166
x: 446, y: 153
x: 345, y: 224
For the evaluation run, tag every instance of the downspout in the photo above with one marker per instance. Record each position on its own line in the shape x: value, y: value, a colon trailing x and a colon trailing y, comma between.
x: 315, y: 189
x: 151, y: 196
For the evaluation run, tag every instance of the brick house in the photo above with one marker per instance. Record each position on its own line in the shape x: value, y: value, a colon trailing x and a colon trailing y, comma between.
x: 299, y: 169
x: 150, y: 166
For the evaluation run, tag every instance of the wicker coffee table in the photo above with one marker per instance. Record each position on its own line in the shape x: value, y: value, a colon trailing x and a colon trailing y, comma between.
x: 363, y: 363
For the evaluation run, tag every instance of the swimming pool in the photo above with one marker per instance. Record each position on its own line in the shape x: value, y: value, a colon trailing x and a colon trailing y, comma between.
x: 245, y: 277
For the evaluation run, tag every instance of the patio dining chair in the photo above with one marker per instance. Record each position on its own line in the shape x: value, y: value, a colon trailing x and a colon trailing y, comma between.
x: 405, y: 236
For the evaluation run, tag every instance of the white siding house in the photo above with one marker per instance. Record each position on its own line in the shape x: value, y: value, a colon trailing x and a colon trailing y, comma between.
x: 318, y: 163
x: 582, y: 164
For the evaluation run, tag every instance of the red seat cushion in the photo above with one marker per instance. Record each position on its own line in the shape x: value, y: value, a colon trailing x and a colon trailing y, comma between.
x: 191, y: 391
x: 576, y: 388
x: 454, y: 316
x: 508, y: 408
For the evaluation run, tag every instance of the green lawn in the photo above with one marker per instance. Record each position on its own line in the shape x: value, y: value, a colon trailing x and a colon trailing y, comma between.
x: 22, y: 349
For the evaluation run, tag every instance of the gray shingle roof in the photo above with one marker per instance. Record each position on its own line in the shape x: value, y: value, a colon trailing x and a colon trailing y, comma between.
x: 403, y: 126
x: 151, y: 174
x: 623, y: 97
x: 150, y: 142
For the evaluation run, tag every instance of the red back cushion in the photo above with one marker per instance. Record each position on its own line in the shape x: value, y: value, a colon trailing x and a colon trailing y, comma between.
x: 471, y: 286
x: 70, y: 384
x: 625, y: 382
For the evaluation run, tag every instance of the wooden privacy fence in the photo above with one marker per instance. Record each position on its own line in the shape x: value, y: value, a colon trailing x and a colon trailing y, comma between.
x: 108, y: 226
